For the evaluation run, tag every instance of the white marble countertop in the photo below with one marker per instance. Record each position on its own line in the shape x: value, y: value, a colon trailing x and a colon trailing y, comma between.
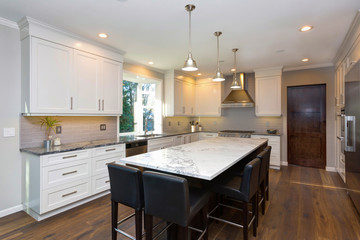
x: 204, y: 159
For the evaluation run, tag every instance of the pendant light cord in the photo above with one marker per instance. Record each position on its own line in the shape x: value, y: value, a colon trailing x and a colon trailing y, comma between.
x: 218, y: 63
x: 190, y: 31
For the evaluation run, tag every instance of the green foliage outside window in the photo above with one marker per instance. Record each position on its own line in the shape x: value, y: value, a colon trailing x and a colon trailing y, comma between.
x: 129, y: 98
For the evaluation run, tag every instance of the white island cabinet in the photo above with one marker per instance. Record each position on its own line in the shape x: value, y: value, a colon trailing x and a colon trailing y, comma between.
x: 62, y: 75
x: 56, y: 182
x: 275, y: 143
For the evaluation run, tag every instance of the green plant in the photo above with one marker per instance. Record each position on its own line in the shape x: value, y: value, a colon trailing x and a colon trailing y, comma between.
x: 50, y: 124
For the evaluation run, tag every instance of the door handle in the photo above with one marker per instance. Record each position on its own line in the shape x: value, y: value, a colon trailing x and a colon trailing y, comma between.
x: 350, y: 134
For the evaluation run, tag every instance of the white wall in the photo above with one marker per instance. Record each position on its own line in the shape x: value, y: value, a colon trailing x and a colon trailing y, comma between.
x: 10, y: 160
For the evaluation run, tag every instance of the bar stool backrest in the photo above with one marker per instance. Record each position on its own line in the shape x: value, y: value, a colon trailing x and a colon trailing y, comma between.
x: 265, y: 162
x: 167, y: 197
x: 126, y: 186
x: 249, y: 183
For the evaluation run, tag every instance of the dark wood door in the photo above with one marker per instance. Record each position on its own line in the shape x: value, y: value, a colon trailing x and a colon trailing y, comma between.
x: 306, y: 125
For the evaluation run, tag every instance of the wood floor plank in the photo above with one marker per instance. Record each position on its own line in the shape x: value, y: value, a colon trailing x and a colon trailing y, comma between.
x: 305, y: 203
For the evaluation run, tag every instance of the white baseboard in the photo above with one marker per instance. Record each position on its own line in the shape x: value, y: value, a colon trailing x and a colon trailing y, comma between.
x: 284, y: 163
x: 330, y: 169
x: 11, y: 210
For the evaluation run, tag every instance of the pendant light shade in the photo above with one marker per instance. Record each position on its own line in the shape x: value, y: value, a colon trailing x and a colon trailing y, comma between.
x: 190, y: 64
x: 236, y: 83
x: 219, y: 77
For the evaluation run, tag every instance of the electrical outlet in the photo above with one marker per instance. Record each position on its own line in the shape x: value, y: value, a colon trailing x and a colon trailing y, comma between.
x: 178, y: 123
x: 58, y: 130
x: 169, y: 124
x: 102, y: 127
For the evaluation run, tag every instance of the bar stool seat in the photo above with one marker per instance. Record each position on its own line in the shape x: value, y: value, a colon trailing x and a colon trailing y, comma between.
x: 170, y: 198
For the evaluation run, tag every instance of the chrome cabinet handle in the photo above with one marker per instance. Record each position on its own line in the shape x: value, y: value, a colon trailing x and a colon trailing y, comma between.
x: 350, y: 134
x: 71, y: 103
x: 99, y: 105
x: 111, y: 149
x: 71, y: 156
x: 68, y: 194
x: 340, y: 138
x: 107, y: 181
x: 103, y: 104
x: 183, y: 110
x: 67, y: 173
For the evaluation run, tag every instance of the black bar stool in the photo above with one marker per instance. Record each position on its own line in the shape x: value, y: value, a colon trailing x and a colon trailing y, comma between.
x: 170, y: 198
x: 240, y: 189
x: 126, y: 186
x: 264, y: 176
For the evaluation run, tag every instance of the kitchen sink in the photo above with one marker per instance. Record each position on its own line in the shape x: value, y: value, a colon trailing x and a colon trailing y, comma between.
x: 149, y: 135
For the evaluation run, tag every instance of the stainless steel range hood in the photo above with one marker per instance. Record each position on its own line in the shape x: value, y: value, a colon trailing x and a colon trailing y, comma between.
x: 238, y: 98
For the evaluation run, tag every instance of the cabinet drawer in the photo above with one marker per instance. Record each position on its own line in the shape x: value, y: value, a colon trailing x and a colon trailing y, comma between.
x: 100, y: 183
x: 157, y: 144
x: 65, y: 173
x: 99, y: 165
x: 65, y: 157
x: 120, y: 148
x: 65, y: 194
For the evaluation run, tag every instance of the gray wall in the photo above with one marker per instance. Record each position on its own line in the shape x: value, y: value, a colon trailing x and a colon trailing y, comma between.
x: 310, y: 77
x: 74, y: 129
x: 10, y: 161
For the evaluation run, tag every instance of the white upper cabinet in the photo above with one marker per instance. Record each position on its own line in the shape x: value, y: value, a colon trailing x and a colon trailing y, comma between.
x: 208, y: 98
x: 66, y: 75
x: 268, y: 92
x: 51, y: 75
x: 111, y: 86
x: 87, y: 82
x: 179, y: 94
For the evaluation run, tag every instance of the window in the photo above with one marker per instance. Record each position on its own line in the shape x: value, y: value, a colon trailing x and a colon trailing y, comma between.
x: 141, y: 105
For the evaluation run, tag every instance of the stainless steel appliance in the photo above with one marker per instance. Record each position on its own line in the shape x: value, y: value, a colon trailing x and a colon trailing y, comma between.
x: 136, y: 148
x: 235, y: 133
x: 352, y: 133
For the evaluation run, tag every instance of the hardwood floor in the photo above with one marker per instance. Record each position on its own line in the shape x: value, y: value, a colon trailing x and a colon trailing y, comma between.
x: 305, y: 203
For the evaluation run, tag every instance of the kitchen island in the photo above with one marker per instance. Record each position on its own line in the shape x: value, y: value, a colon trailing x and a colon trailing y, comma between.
x: 204, y: 159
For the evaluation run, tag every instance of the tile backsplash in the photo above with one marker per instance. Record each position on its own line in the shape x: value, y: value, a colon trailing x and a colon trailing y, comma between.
x: 74, y: 129
x: 176, y: 124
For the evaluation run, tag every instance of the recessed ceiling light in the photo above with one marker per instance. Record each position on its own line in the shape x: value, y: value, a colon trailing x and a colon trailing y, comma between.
x: 103, y: 35
x: 199, y: 74
x: 233, y: 70
x: 306, y: 28
x: 305, y: 60
x: 151, y: 63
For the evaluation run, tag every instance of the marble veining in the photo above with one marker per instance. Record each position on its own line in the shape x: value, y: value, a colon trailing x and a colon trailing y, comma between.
x: 204, y: 159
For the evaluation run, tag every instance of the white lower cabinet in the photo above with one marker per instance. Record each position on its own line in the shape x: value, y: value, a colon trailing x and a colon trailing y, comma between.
x: 160, y: 143
x: 58, y: 180
x: 206, y: 135
x: 274, y: 142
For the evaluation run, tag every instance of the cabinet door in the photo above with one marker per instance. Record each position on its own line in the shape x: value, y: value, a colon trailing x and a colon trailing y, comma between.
x: 268, y: 96
x: 87, y: 80
x: 179, y: 108
x: 208, y: 99
x: 188, y: 98
x: 51, y: 77
x: 111, y: 101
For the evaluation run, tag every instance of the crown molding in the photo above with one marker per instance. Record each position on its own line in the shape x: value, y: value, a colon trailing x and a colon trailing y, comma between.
x: 308, y: 67
x: 8, y: 23
x: 351, y: 37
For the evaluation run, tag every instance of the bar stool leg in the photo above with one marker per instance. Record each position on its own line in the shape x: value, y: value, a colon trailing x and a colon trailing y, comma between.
x: 204, y: 212
x: 263, y: 197
x: 255, y: 214
x: 183, y: 233
x: 114, y: 219
x: 245, y: 220
x: 148, y: 227
x: 138, y: 223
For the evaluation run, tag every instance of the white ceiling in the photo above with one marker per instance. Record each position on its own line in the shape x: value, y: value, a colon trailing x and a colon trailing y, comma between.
x: 266, y: 32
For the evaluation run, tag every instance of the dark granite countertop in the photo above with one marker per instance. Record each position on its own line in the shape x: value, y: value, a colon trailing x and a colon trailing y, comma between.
x: 97, y: 143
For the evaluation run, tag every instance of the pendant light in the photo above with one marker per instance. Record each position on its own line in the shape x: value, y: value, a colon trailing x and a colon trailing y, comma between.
x: 219, y: 77
x: 235, y: 83
x: 190, y: 64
